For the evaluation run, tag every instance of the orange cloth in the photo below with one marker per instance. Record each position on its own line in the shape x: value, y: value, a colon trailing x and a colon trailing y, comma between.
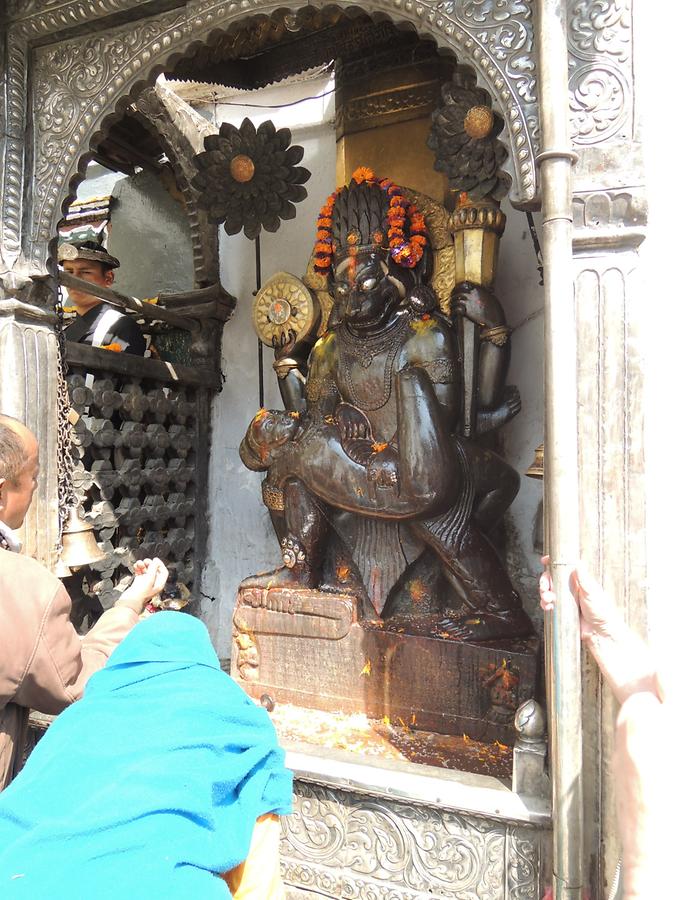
x: 259, y: 876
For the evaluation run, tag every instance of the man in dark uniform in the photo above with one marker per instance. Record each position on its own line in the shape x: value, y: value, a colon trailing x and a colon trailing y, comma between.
x: 98, y: 323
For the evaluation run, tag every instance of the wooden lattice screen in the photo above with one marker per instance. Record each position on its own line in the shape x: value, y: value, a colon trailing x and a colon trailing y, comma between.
x: 140, y: 449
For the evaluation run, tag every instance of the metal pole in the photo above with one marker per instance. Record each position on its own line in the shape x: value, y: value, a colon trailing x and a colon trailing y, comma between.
x: 561, y: 502
x: 129, y: 304
x: 261, y: 366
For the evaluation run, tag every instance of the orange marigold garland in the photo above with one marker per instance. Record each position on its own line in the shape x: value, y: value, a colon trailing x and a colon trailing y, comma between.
x: 363, y: 173
x: 323, y: 248
x: 404, y: 252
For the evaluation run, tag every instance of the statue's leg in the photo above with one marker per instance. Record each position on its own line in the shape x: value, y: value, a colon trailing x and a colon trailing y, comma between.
x: 278, y: 519
x: 307, y: 525
x: 302, y: 530
x: 473, y: 568
x: 495, y: 483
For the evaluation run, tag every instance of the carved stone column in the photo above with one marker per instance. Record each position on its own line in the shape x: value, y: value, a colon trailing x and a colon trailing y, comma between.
x: 611, y: 473
x: 28, y: 391
x: 609, y: 219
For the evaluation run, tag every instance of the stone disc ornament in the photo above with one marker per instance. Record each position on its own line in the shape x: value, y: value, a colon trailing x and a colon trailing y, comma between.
x: 249, y: 178
x: 284, y: 309
x: 464, y: 140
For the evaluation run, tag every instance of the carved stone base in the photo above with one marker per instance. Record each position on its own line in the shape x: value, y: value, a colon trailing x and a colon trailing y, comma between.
x: 404, y: 832
x: 383, y: 850
x: 306, y: 648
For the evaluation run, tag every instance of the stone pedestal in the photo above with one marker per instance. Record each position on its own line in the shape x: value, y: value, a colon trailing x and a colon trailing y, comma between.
x: 306, y: 648
x: 401, y: 831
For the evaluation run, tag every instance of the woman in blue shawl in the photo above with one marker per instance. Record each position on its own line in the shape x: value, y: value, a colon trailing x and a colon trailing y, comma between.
x: 147, y: 786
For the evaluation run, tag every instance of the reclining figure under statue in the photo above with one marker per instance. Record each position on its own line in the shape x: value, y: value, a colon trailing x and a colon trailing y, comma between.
x: 371, y: 483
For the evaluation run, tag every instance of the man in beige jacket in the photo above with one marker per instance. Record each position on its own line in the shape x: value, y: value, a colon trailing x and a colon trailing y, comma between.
x: 44, y: 663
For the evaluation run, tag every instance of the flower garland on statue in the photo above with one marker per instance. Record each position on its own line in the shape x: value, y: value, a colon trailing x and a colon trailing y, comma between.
x: 406, y: 252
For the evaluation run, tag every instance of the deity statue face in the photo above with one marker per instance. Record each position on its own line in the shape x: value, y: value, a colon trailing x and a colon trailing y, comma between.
x: 365, y: 290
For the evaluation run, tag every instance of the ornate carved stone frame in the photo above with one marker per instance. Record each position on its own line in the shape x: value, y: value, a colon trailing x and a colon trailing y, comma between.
x: 78, y: 82
x: 70, y: 66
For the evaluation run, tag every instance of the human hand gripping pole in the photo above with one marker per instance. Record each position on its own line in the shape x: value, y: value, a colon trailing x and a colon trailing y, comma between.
x: 623, y: 658
x: 641, y: 738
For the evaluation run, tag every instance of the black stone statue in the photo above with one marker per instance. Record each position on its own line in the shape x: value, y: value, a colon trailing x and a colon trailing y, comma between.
x: 372, y: 485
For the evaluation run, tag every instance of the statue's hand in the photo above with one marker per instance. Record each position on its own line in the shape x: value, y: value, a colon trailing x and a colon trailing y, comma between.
x: 477, y: 303
x: 512, y: 403
x: 489, y: 419
x: 284, y: 343
x: 382, y: 467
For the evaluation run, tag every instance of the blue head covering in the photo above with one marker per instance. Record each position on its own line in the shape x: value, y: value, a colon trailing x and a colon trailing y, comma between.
x: 149, y: 784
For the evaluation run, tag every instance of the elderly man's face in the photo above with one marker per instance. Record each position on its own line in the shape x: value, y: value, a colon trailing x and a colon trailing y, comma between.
x: 87, y: 270
x: 16, y: 495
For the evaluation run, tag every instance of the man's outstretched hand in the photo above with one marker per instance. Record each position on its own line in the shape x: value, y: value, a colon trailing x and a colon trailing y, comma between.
x: 151, y: 576
x: 643, y: 726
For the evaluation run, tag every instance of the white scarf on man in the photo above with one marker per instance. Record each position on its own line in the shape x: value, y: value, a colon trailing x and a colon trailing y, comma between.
x: 8, y: 538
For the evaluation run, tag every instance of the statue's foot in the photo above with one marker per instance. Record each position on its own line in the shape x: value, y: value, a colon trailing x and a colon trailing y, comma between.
x: 297, y: 577
x: 487, y: 626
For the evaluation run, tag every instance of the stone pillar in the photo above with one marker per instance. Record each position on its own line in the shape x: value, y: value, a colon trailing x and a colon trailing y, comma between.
x: 606, y: 78
x: 610, y: 363
x: 28, y: 391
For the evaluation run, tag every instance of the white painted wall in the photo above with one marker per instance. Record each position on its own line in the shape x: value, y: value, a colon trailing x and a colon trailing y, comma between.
x: 523, y: 300
x: 98, y: 182
x: 241, y: 540
x: 151, y: 237
x: 148, y: 232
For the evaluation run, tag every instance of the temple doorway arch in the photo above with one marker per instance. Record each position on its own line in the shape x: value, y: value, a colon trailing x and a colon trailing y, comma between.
x: 472, y: 46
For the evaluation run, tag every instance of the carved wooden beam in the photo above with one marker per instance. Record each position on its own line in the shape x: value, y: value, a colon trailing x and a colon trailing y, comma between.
x: 139, y: 366
x: 212, y: 302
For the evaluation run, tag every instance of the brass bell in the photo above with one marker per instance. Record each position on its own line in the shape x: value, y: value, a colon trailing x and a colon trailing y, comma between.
x: 79, y: 547
x: 536, y: 469
x: 61, y: 570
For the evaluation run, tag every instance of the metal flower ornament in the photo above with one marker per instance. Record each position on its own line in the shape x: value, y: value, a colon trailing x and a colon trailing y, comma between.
x: 249, y: 178
x: 464, y: 139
